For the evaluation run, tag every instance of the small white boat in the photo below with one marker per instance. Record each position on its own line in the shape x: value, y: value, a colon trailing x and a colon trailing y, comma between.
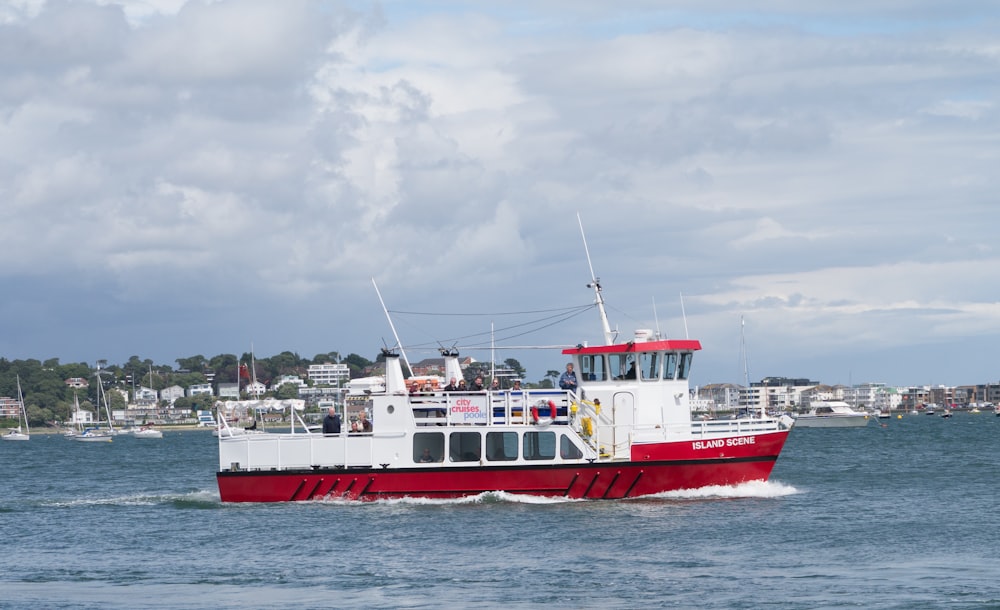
x: 93, y: 435
x: 17, y: 434
x: 147, y: 432
x: 831, y: 414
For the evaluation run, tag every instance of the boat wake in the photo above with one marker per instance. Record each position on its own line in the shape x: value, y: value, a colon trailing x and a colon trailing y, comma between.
x: 196, y: 499
x: 751, y: 489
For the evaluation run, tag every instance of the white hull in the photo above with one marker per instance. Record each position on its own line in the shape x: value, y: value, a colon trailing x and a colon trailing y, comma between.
x: 92, y: 437
x: 16, y: 435
x: 147, y: 433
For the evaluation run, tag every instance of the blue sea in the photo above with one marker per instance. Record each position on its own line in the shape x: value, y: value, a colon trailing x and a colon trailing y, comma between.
x: 900, y: 514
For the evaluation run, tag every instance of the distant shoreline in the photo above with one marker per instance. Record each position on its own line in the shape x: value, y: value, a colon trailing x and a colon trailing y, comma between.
x: 163, y: 428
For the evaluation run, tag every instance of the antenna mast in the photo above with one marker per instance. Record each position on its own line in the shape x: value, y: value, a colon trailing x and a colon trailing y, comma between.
x: 392, y: 326
x: 595, y: 283
x: 684, y: 316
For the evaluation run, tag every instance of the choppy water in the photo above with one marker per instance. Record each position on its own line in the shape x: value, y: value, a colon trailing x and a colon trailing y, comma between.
x: 900, y: 516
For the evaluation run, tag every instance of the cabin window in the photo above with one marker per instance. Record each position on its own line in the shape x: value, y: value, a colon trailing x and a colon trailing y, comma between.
x: 433, y: 442
x: 685, y: 366
x: 501, y: 446
x: 669, y: 365
x: 539, y: 445
x: 568, y: 449
x: 592, y: 368
x: 649, y: 365
x: 464, y: 447
x: 622, y: 366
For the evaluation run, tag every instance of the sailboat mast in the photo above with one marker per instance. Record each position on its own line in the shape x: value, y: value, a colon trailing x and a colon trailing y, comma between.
x: 24, y: 410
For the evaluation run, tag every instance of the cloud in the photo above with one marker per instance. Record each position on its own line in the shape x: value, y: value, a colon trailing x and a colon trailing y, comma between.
x: 247, y: 167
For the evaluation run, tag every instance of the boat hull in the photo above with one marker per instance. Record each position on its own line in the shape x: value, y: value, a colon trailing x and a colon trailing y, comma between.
x: 654, y: 468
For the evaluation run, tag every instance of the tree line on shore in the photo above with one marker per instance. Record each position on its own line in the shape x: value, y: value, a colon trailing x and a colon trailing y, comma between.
x: 48, y: 398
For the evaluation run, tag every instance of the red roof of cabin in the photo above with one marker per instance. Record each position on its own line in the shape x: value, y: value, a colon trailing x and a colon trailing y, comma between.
x: 671, y: 345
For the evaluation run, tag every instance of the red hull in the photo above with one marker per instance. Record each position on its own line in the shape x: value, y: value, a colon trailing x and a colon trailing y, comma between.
x: 653, y: 469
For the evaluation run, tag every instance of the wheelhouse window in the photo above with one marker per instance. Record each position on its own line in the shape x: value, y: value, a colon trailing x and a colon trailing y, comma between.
x: 539, y: 445
x: 567, y: 449
x: 592, y: 367
x: 685, y: 366
x: 669, y: 365
x: 649, y: 365
x: 428, y: 447
x: 464, y: 447
x: 501, y: 446
x: 622, y: 366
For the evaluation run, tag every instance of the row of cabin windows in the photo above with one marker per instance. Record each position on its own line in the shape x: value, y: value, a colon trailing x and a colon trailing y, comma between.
x: 498, y: 446
x: 649, y: 365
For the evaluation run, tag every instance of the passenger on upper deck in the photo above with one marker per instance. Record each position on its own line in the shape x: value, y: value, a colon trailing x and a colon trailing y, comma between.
x: 567, y: 380
x: 495, y: 385
x: 363, y: 424
x: 331, y: 423
x: 462, y: 387
x: 517, y: 386
x: 452, y: 386
x: 477, y: 385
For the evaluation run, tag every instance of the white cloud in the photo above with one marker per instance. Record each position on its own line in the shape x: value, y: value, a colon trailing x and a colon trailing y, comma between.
x: 829, y: 171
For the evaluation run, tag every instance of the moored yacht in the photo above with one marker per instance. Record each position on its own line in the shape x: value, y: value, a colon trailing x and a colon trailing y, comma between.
x: 831, y: 414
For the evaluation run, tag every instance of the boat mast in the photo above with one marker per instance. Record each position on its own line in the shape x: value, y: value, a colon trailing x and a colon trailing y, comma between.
x: 595, y: 283
x: 24, y: 411
x: 402, y: 352
x: 746, y: 366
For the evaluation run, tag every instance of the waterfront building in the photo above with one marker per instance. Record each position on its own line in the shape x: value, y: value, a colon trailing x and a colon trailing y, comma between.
x: 200, y: 388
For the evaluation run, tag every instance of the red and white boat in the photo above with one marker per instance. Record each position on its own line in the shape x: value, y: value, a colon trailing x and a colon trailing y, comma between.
x: 627, y: 431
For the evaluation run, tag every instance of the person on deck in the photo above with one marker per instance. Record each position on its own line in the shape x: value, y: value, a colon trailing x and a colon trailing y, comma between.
x: 567, y: 380
x: 495, y: 385
x: 452, y: 386
x: 331, y: 423
x: 364, y: 425
x: 477, y: 385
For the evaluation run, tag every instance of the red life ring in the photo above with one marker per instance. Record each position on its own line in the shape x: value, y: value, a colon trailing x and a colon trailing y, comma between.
x: 552, y: 412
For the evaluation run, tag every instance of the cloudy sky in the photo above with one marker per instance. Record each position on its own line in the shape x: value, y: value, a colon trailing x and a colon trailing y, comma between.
x: 182, y: 178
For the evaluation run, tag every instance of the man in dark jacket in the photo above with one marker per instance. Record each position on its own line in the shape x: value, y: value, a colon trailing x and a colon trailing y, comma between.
x: 331, y: 423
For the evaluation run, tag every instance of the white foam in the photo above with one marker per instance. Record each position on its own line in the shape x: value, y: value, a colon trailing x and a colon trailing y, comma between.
x: 751, y: 489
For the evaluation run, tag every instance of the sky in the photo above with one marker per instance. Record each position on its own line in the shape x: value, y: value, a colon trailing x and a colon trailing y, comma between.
x: 813, y: 182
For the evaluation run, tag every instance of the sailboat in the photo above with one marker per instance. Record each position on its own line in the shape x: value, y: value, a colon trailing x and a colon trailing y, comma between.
x: 97, y: 434
x: 16, y: 434
x: 77, y: 427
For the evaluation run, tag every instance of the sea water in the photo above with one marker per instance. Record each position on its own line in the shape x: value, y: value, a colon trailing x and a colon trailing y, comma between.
x: 899, y: 514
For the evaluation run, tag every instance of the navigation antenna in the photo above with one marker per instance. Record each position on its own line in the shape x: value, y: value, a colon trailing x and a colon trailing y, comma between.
x: 392, y: 326
x: 657, y: 319
x: 595, y: 283
x: 684, y: 315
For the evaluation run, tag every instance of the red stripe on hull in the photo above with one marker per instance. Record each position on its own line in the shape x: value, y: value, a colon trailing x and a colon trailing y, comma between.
x: 656, y: 468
